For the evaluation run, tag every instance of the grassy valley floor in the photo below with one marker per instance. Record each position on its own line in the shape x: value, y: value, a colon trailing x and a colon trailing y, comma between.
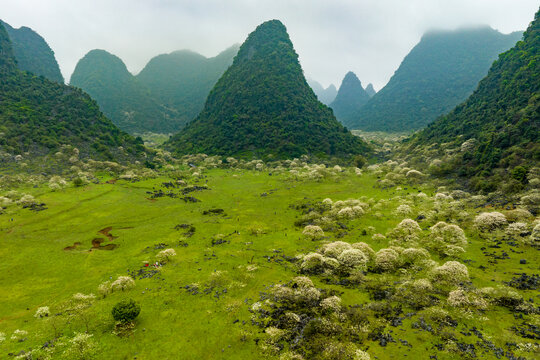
x: 235, y: 239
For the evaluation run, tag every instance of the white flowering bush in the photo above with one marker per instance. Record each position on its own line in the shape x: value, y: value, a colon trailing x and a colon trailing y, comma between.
x: 517, y: 229
x: 19, y: 335
x: 57, y: 183
x: 353, y: 258
x: 403, y: 210
x: 406, y: 232
x: 361, y: 355
x: 105, y: 288
x: 42, y: 312
x: 313, y: 232
x: 415, y: 293
x: 164, y: 256
x: 2, y: 337
x: 378, y: 237
x: 451, y: 272
x: 27, y: 199
x: 5, y: 201
x: 365, y: 248
x: 123, y: 283
x: 489, y: 221
x: 313, y: 263
x: 81, y: 346
x: 334, y: 249
x: 446, y: 239
x: 386, y: 259
x: 534, y: 239
x: 331, y: 304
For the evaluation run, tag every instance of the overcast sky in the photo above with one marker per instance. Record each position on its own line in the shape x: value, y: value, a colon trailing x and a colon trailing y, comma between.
x: 369, y: 37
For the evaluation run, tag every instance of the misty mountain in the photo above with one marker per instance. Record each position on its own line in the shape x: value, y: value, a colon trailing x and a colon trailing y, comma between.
x: 438, y: 74
x: 162, y: 98
x: 262, y: 106
x: 350, y: 98
x: 120, y: 95
x: 326, y: 96
x: 498, y: 126
x: 182, y: 80
x: 32, y: 53
x: 370, y: 90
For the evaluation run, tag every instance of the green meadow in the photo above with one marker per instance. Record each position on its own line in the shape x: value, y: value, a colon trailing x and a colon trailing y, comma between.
x: 197, y: 306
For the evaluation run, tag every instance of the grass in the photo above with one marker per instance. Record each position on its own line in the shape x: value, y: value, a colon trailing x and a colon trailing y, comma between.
x: 174, y: 322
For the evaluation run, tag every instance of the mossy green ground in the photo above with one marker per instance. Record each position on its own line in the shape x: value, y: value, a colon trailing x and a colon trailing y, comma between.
x: 174, y: 323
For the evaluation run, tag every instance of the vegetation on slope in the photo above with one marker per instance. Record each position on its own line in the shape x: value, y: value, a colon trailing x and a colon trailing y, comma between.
x: 496, y: 131
x: 182, y: 80
x: 33, y: 54
x: 350, y: 98
x: 438, y: 74
x: 38, y: 116
x: 263, y: 106
x: 121, y: 96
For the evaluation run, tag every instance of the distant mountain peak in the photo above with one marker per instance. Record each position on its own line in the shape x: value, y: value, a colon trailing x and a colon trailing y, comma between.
x: 370, y: 90
x: 441, y: 71
x: 350, y: 98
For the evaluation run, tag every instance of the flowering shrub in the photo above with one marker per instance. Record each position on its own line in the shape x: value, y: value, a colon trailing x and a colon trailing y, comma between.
x: 313, y: 232
x: 164, y: 256
x: 451, y: 272
x: 353, y: 258
x: 447, y: 239
x: 403, y: 210
x: 81, y: 346
x: 19, y: 335
x: 42, y: 312
x: 488, y: 221
x: 386, y: 259
x: 122, y: 283
x: 406, y: 232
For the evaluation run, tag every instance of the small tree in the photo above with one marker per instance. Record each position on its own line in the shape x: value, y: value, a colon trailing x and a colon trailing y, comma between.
x: 126, y: 311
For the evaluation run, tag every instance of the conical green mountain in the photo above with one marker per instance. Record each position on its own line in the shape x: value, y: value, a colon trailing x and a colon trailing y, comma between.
x: 182, y: 80
x: 500, y: 121
x: 350, y: 98
x: 263, y: 106
x: 326, y: 96
x: 120, y: 95
x: 370, y: 90
x: 32, y: 53
x: 38, y: 116
x: 439, y: 73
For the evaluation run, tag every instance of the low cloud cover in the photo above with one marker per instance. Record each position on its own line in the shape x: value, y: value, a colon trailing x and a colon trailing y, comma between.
x: 369, y: 37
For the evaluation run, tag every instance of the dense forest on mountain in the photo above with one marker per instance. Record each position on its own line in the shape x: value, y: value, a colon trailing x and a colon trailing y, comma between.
x: 326, y: 96
x: 38, y: 116
x: 32, y: 52
x: 262, y: 106
x: 438, y: 74
x: 350, y: 98
x: 498, y: 127
x: 182, y: 80
x: 121, y: 96
x: 162, y: 98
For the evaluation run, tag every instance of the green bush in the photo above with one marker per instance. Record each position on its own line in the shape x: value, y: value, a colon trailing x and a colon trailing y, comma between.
x: 126, y: 311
